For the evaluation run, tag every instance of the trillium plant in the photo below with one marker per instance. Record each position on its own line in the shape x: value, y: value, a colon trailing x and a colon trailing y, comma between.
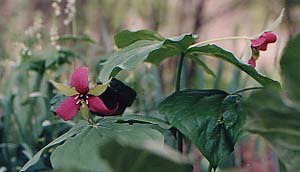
x: 113, y: 138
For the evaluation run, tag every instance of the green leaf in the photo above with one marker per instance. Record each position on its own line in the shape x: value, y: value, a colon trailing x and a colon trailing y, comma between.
x: 98, y: 89
x: 290, y: 67
x: 204, y: 65
x: 144, y: 50
x: 151, y: 157
x: 64, y: 89
x: 83, y: 38
x: 73, y: 131
x: 276, y: 119
x: 133, y: 119
x: 127, y: 58
x: 218, y: 52
x: 80, y: 152
x: 84, y: 110
x: 126, y: 37
x: 212, y: 119
x: 171, y: 47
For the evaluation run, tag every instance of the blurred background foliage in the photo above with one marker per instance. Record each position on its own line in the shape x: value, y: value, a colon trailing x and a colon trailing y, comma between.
x: 43, y: 40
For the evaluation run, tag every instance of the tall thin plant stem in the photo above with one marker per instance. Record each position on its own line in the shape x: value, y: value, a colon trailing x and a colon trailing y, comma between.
x: 177, y: 89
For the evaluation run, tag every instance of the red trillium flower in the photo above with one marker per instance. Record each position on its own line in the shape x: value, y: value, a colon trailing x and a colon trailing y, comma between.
x: 262, y: 42
x: 81, y: 97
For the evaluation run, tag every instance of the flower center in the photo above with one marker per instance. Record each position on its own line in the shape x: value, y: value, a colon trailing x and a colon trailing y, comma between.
x: 82, y: 98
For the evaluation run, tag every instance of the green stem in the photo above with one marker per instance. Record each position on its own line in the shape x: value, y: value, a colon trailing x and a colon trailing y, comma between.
x: 177, y: 89
x: 247, y: 89
x: 7, y: 126
x: 180, y: 142
x: 179, y: 70
x: 221, y: 39
x: 36, y: 88
x: 219, y: 74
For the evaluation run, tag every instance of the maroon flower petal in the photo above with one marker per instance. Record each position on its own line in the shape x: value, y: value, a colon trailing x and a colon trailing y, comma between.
x: 258, y: 42
x: 252, y: 62
x: 270, y: 37
x: 96, y: 105
x: 263, y: 47
x: 80, y: 79
x: 68, y: 109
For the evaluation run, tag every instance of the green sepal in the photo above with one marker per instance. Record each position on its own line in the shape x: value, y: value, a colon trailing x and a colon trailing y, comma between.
x: 64, y: 89
x: 255, y: 53
x: 98, y: 89
x: 84, y: 110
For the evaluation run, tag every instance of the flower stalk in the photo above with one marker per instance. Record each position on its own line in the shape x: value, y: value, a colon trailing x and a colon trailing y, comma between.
x: 221, y: 39
x: 177, y: 89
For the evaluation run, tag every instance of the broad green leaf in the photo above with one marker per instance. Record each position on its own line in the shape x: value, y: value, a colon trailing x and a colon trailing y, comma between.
x: 80, y: 152
x: 126, y: 37
x: 203, y: 65
x: 133, y: 119
x: 218, y: 52
x: 127, y: 58
x: 152, y: 51
x: 98, y: 89
x: 83, y: 38
x: 150, y: 157
x: 212, y: 119
x: 73, y: 131
x: 290, y: 67
x: 84, y: 110
x: 276, y: 119
x: 171, y: 47
x: 64, y: 89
